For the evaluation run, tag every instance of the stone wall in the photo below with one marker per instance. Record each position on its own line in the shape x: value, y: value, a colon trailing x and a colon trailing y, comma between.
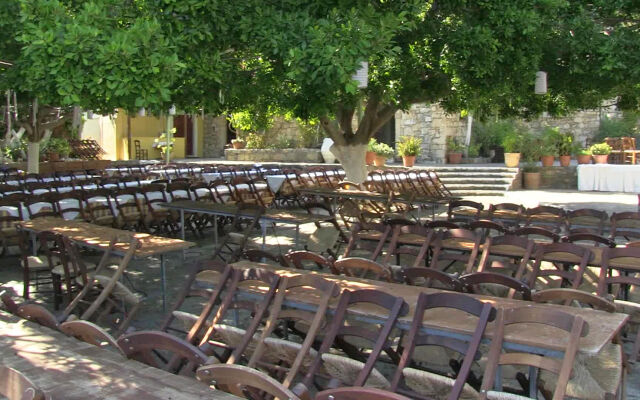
x: 583, y: 124
x: 559, y: 178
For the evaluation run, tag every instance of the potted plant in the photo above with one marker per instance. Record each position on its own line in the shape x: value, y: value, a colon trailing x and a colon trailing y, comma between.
x: 584, y: 156
x: 566, y: 147
x: 161, y: 143
x: 512, y: 143
x: 531, y: 153
x: 551, y: 140
x: 238, y: 143
x: 454, y: 150
x: 57, y: 148
x: 383, y: 151
x: 549, y: 152
x: 600, y: 152
x: 408, y: 149
x: 371, y: 154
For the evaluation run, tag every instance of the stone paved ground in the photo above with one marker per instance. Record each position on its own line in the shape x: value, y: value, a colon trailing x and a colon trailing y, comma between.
x: 145, y: 274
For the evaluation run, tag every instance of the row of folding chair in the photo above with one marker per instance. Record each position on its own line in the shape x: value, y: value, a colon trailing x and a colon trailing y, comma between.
x: 556, y: 219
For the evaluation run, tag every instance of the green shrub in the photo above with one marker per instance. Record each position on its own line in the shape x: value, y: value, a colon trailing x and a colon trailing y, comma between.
x: 627, y: 125
x: 371, y: 146
x: 454, y: 146
x: 383, y: 150
x: 409, y: 146
x: 600, y: 149
x: 311, y: 134
x: 255, y: 141
x: 489, y: 135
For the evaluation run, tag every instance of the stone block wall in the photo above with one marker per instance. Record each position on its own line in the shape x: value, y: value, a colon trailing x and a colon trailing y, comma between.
x: 583, y: 124
x: 215, y: 136
x: 274, y: 155
x: 559, y: 178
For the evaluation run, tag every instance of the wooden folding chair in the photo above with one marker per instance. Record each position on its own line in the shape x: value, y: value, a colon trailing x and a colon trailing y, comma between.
x: 548, y: 217
x: 464, y: 211
x: 371, y: 237
x: 477, y: 282
x: 303, y: 259
x: 428, y: 277
x: 284, y: 356
x: 29, y: 311
x: 91, y: 333
x: 363, y: 267
x: 358, y: 393
x: 509, y: 214
x: 426, y: 383
x: 444, y: 257
x: 558, y: 370
x: 356, y: 368
x: 572, y: 261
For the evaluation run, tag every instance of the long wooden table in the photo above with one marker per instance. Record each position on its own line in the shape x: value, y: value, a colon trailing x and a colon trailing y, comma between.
x: 269, y: 216
x: 603, y: 326
x: 98, y: 237
x: 66, y: 368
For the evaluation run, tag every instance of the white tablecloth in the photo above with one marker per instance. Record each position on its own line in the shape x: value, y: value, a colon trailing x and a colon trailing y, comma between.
x: 609, y: 178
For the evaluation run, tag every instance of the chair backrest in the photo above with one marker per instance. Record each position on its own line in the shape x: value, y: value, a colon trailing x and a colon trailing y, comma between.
x: 487, y: 228
x: 38, y: 314
x: 510, y: 214
x: 303, y: 259
x: 474, y: 280
x: 573, y: 297
x: 324, y: 290
x: 537, y: 233
x: 552, y: 218
x: 429, y: 277
x: 358, y: 393
x: 590, y: 239
x: 257, y: 255
x: 573, y: 258
x: 363, y: 267
x: 408, y: 238
x: 464, y: 210
x: 90, y: 333
x: 393, y: 307
x: 520, y: 248
x: 615, y: 258
x: 42, y: 205
x: 370, y: 236
x: 588, y: 220
x: 238, y: 379
x: 15, y: 386
x: 466, y: 245
x: 485, y: 313
x: 625, y: 226
x: 143, y: 346
x: 561, y: 321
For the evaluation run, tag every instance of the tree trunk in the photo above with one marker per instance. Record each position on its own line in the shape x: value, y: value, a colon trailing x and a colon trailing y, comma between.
x: 352, y: 158
x: 33, y: 157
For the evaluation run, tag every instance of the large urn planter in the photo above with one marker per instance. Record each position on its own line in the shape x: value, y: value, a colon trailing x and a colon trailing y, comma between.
x: 238, y: 144
x: 370, y: 157
x: 379, y: 161
x: 583, y: 158
x: 511, y: 160
x: 454, y: 158
x: 600, y: 158
x: 565, y: 161
x: 547, y: 161
x: 532, y: 180
x: 408, y: 161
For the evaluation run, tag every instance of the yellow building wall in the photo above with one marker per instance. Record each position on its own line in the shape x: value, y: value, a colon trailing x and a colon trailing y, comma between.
x: 146, y: 130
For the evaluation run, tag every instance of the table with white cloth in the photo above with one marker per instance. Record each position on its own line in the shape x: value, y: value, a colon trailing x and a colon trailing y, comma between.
x: 609, y: 178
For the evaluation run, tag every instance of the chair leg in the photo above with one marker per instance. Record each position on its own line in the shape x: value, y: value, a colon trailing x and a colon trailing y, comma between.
x: 636, y: 347
x: 25, y: 292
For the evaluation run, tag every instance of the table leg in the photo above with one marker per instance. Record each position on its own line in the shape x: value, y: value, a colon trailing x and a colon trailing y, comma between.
x: 163, y: 277
x: 263, y: 227
x: 182, y: 224
x: 297, y: 236
x: 215, y: 230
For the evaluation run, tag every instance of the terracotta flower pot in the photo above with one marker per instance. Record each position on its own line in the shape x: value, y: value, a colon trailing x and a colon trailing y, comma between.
x: 238, y: 145
x: 370, y: 157
x: 379, y: 161
x: 547, y: 161
x: 565, y: 161
x: 408, y: 161
x: 532, y: 180
x: 511, y: 160
x: 54, y: 156
x: 600, y: 158
x: 584, y: 158
x: 454, y: 158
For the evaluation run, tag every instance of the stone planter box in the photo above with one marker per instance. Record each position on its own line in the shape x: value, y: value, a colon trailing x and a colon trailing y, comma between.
x: 48, y: 167
x: 274, y: 155
x: 559, y: 178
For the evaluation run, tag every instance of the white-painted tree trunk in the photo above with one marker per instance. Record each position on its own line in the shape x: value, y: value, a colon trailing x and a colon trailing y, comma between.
x: 352, y: 158
x: 33, y: 157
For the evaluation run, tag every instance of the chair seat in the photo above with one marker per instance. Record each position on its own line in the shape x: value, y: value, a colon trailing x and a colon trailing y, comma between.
x: 606, y: 367
x: 59, y: 269
x: 434, y: 385
x: 230, y: 336
x: 40, y: 263
x: 287, y: 351
x: 120, y: 291
x: 322, y: 239
x: 346, y: 370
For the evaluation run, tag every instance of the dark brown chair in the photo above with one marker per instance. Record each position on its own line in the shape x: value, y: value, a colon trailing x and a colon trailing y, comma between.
x: 590, y: 239
x: 410, y: 239
x: 29, y: 311
x: 70, y: 205
x: 487, y: 228
x: 370, y: 237
x: 574, y: 297
x: 548, y: 217
x: 363, y: 268
x: 509, y: 255
x: 145, y: 346
x: 36, y: 269
x: 99, y: 209
x: 625, y: 226
x: 244, y: 382
x: 558, y: 369
x: 569, y: 264
x: 356, y: 368
x: 158, y: 218
x: 8, y: 220
x: 237, y: 232
x: 428, y: 277
x: 41, y: 205
x: 538, y: 234
x: 15, y: 386
x: 130, y: 214
x: 456, y: 246
x: 263, y: 256
x: 427, y: 384
x: 586, y: 220
x: 358, y: 393
x: 441, y: 225
x: 303, y: 259
x: 327, y: 233
x: 508, y: 214
x: 464, y: 211
x: 475, y: 282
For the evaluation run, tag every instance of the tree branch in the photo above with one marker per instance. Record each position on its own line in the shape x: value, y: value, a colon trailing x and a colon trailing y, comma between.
x: 332, y: 130
x: 383, y: 116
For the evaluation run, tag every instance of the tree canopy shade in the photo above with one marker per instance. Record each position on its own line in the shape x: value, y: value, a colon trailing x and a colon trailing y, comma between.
x: 299, y: 55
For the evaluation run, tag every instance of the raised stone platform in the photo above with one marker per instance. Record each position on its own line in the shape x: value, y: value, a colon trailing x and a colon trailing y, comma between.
x: 274, y: 155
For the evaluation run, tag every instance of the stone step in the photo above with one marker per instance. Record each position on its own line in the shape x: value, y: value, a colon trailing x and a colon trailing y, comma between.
x: 470, y: 174
x: 468, y: 193
x: 471, y: 186
x: 481, y: 180
x: 474, y: 169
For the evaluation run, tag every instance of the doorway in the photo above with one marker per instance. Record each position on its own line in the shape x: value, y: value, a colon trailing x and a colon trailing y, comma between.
x: 387, y: 134
x: 184, y: 129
